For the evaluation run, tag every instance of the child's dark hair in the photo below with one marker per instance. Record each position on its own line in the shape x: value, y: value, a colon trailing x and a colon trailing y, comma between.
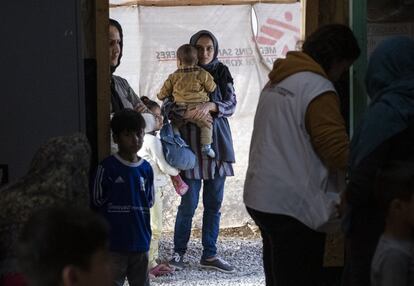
x: 394, y: 181
x: 187, y: 54
x: 56, y: 237
x: 150, y: 104
x: 330, y: 44
x: 127, y: 120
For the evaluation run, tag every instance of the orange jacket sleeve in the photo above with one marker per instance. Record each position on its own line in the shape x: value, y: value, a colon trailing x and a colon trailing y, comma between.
x: 326, y: 127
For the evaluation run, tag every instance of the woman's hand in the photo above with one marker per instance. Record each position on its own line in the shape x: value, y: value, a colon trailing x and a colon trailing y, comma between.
x: 342, y: 206
x: 141, y: 108
x: 201, y: 112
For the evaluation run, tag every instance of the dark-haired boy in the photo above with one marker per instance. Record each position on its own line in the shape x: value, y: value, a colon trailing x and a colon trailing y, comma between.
x: 63, y: 246
x: 393, y: 263
x: 123, y: 193
x: 190, y: 85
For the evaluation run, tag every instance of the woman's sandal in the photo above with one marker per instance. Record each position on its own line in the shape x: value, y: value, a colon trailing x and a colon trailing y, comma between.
x: 161, y: 269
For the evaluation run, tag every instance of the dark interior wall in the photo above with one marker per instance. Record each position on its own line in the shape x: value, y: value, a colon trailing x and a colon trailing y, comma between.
x: 42, y: 81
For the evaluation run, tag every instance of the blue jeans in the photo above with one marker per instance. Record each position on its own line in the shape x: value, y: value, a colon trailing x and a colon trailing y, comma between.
x: 212, y: 199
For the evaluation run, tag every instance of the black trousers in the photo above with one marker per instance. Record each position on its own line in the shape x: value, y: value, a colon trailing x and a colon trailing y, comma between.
x: 292, y: 252
x: 366, y: 226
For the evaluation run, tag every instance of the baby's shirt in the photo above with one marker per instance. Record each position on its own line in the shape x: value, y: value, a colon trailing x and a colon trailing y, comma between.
x: 188, y: 85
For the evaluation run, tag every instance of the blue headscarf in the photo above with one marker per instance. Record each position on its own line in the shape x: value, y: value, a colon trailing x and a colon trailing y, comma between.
x: 219, y: 71
x: 390, y: 85
x: 211, y: 66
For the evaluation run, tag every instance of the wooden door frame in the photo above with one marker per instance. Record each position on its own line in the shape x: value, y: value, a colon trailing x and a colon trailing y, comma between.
x: 359, y: 98
x: 103, y: 77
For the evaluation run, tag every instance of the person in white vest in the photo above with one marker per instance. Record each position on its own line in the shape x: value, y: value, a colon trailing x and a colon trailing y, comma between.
x: 299, y: 141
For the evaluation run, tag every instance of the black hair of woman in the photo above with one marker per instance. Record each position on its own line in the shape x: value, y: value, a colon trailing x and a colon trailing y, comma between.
x: 116, y: 24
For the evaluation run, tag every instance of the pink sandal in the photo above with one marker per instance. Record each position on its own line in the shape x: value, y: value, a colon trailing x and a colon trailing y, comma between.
x: 160, y: 269
x: 179, y: 185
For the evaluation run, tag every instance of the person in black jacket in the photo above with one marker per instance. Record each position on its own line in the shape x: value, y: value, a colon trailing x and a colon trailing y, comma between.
x: 385, y: 134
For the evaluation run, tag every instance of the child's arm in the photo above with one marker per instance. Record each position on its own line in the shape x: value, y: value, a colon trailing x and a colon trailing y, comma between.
x: 208, y: 81
x: 226, y: 102
x: 158, y: 157
x: 134, y: 98
x: 101, y: 185
x: 166, y: 89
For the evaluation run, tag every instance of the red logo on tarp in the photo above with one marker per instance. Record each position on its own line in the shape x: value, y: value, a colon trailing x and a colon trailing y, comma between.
x: 274, y: 30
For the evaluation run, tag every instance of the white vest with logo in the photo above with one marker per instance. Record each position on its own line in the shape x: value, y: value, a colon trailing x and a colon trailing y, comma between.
x: 285, y: 175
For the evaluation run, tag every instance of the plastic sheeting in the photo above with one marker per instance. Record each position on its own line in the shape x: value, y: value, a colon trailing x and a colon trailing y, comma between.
x: 153, y: 34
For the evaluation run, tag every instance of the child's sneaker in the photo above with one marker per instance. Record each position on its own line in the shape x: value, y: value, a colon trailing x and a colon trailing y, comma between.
x: 179, y: 185
x: 207, y: 150
x: 178, y: 262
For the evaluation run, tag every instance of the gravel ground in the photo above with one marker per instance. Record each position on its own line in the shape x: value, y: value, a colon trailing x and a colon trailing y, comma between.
x: 241, y: 247
x: 242, y: 252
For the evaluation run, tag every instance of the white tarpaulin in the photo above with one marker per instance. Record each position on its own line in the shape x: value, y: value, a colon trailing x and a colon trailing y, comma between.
x: 278, y: 30
x: 153, y: 34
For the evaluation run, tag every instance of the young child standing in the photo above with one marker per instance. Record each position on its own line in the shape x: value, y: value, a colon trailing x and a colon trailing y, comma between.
x: 152, y: 152
x: 152, y: 149
x: 190, y: 85
x: 123, y: 193
x: 392, y: 264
